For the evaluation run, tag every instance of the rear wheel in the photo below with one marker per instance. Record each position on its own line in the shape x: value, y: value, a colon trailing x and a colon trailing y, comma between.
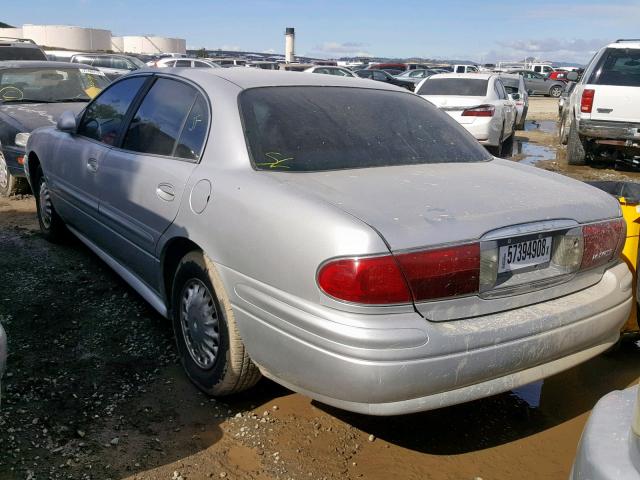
x: 576, y: 153
x: 51, y: 225
x: 9, y: 184
x: 211, y: 350
x: 555, y: 91
x: 563, y: 134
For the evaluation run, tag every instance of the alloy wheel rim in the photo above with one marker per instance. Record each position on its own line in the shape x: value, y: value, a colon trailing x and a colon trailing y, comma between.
x: 46, y: 208
x: 4, y: 172
x: 199, y: 323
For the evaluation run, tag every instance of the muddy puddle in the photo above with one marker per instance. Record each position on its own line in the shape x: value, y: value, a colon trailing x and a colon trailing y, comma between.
x: 545, y: 126
x: 530, y: 153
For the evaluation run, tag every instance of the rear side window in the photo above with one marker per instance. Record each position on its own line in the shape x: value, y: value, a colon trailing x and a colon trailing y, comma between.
x: 158, y: 123
x: 103, y: 117
x: 298, y: 129
x: 473, y: 87
x: 21, y: 53
x: 618, y: 66
x: 183, y: 63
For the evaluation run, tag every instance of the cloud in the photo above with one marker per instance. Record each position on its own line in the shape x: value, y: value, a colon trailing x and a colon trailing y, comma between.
x: 554, y: 49
x: 620, y: 12
x: 347, y: 49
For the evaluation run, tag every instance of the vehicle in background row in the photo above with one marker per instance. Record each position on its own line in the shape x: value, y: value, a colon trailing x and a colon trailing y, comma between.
x: 396, y: 66
x: 186, y: 63
x: 20, y: 49
x: 382, y: 76
x: 542, y: 68
x: 609, y: 448
x: 33, y: 94
x: 112, y: 65
x: 328, y: 70
x: 603, y: 117
x: 229, y: 62
x: 479, y: 102
x: 61, y: 55
x: 264, y: 65
x: 558, y: 75
x: 465, y: 69
x: 515, y: 87
x: 538, y: 84
x: 415, y: 76
x: 181, y: 181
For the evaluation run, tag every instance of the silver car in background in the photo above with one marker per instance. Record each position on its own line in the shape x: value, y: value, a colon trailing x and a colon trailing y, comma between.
x: 610, y: 445
x: 514, y: 85
x: 383, y: 264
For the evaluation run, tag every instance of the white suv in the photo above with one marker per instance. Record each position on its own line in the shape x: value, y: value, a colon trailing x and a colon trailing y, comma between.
x: 603, y: 114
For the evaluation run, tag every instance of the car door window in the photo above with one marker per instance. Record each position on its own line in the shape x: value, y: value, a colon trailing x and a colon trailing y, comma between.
x: 381, y: 77
x: 103, y: 117
x: 502, y: 94
x: 194, y: 132
x: 156, y: 126
x: 198, y: 64
x: 183, y: 63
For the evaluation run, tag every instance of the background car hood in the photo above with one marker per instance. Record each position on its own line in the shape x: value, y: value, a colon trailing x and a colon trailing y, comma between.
x: 419, y: 205
x: 29, y: 116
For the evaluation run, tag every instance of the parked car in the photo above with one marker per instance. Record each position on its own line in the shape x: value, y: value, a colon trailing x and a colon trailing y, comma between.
x: 229, y: 62
x: 559, y: 75
x: 538, y: 84
x: 610, y: 445
x: 515, y: 88
x: 382, y: 76
x: 61, y: 55
x: 465, y: 69
x: 479, y: 102
x: 339, y: 71
x: 20, y: 49
x: 383, y: 66
x: 564, y: 98
x: 432, y: 273
x: 185, y: 63
x: 603, y: 117
x: 264, y: 65
x: 112, y: 65
x: 415, y: 76
x: 3, y: 355
x: 542, y: 68
x: 33, y: 94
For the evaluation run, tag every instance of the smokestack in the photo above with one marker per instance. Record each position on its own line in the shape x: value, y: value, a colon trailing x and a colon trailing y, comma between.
x: 289, y: 45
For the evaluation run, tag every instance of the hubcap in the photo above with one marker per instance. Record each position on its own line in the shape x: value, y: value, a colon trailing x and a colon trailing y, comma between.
x: 4, y: 172
x: 45, y: 205
x: 200, y: 323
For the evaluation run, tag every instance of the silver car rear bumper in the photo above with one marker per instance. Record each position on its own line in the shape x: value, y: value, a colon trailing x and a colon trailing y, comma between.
x: 608, y: 449
x: 401, y: 363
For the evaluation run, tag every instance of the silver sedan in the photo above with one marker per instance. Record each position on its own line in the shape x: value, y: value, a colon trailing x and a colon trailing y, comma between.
x: 381, y: 263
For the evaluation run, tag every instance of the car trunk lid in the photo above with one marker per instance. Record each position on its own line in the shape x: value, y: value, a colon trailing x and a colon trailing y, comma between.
x: 615, y: 103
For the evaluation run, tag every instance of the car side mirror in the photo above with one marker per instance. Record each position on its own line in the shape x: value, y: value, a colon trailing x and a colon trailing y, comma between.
x: 66, y: 122
x: 572, y: 76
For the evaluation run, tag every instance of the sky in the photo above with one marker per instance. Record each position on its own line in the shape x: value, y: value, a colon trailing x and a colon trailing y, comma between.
x: 477, y: 30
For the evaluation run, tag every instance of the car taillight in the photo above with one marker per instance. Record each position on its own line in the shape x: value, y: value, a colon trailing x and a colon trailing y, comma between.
x: 481, y: 111
x: 401, y: 278
x: 367, y: 280
x: 586, y: 102
x: 603, y: 242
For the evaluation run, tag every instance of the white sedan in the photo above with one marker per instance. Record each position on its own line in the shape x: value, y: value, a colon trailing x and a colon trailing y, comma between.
x: 478, y: 101
x: 331, y: 70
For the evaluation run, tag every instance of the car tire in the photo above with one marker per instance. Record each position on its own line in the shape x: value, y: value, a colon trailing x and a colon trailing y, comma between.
x: 209, y: 343
x: 555, y: 91
x: 563, y: 132
x: 507, y: 146
x: 576, y: 153
x: 10, y: 184
x: 51, y: 225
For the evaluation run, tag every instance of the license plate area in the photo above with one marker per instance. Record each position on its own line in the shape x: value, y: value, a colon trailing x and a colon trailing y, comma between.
x: 524, y: 254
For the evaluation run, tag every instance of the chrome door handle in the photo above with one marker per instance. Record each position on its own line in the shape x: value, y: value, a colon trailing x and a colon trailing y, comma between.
x: 92, y: 165
x: 166, y: 192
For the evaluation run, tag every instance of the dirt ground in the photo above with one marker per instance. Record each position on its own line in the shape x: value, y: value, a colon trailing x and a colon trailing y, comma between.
x: 94, y: 388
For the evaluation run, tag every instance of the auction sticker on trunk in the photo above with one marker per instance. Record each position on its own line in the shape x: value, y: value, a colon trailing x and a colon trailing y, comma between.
x: 524, y: 254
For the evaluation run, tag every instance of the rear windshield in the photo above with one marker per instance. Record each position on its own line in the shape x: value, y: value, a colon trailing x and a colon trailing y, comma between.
x: 21, y: 53
x: 473, y: 87
x: 299, y: 129
x: 618, y: 66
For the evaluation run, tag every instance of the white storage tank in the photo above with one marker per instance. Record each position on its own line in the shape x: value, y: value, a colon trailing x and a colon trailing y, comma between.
x: 68, y: 37
x: 11, y: 32
x: 150, y: 44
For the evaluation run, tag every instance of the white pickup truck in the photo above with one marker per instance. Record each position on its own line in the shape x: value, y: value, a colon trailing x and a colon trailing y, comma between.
x: 603, y: 113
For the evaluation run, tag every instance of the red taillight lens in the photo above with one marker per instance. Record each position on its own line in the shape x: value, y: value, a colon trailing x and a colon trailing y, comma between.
x: 373, y: 281
x: 603, y: 242
x: 586, y: 102
x: 417, y: 276
x: 441, y: 273
x: 481, y: 111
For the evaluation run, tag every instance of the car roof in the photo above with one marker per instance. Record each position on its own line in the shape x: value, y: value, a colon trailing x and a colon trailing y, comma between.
x: 41, y: 64
x: 635, y: 43
x: 472, y: 75
x: 246, y: 78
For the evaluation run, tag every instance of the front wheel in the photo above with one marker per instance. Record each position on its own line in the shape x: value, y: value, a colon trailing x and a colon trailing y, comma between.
x: 9, y: 184
x: 209, y: 343
x: 556, y: 91
x: 51, y: 225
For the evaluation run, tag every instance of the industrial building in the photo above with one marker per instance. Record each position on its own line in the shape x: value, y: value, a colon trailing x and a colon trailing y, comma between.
x: 94, y: 39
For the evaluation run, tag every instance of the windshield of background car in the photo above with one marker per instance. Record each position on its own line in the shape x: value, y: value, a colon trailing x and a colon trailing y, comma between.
x: 473, y: 87
x: 619, y: 67
x: 21, y: 53
x: 300, y: 129
x: 50, y: 84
